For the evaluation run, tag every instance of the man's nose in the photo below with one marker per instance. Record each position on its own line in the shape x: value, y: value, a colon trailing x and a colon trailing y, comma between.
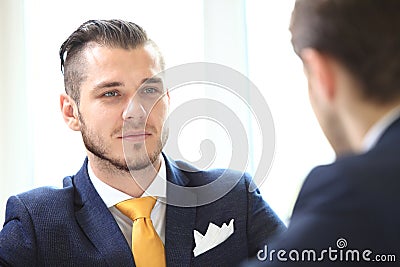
x: 135, y: 110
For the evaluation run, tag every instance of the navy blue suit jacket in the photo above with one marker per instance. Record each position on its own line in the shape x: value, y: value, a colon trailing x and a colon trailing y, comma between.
x: 73, y: 227
x: 348, y: 206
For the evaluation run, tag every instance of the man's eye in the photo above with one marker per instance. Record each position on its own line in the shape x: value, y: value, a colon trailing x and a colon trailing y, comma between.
x: 150, y: 90
x: 111, y: 94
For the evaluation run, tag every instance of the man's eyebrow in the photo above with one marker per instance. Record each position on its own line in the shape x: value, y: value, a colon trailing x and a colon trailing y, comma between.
x: 106, y: 84
x: 152, y: 80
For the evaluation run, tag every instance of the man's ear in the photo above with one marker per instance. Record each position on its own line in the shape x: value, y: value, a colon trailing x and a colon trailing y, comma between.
x: 69, y: 110
x: 320, y: 73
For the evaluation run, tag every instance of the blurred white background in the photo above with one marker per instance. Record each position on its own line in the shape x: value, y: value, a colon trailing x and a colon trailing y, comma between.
x: 251, y: 36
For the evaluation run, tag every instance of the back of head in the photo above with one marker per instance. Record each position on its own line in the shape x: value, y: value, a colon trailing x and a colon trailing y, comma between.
x: 108, y: 33
x: 363, y: 35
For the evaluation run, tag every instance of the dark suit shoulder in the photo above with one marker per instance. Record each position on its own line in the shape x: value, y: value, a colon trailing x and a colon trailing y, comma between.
x: 353, y: 198
x: 41, y: 204
x: 199, y: 177
x: 46, y: 196
x: 365, y: 175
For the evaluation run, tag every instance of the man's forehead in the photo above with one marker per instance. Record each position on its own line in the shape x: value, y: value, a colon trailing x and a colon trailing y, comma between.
x: 104, y: 55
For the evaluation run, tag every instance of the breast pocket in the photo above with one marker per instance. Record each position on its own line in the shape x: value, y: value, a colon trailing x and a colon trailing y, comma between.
x: 231, y: 252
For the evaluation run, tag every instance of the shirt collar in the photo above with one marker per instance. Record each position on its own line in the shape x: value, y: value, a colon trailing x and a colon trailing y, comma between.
x: 376, y: 131
x: 112, y: 196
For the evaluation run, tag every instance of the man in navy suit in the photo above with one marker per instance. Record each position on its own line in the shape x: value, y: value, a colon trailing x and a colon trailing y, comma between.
x: 347, y: 212
x: 113, y: 98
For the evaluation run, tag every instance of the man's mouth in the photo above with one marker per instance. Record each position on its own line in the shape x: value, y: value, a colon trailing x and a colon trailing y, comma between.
x: 135, y: 136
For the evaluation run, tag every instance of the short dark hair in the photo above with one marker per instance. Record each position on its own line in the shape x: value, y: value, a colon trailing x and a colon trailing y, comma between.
x: 110, y: 33
x: 363, y: 35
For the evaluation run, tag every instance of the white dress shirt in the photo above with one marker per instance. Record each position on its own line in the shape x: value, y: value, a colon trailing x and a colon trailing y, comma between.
x: 376, y: 131
x: 112, y: 196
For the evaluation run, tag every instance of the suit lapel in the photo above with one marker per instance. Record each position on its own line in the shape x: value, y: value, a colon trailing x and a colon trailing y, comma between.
x: 98, y: 223
x: 180, y: 222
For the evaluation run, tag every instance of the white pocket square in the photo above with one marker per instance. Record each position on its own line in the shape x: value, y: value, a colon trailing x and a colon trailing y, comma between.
x: 213, y: 237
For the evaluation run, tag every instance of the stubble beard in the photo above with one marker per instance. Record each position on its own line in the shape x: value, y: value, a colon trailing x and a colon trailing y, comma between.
x: 98, y: 148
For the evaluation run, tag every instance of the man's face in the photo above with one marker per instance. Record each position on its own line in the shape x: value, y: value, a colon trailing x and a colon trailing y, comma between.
x: 122, y: 108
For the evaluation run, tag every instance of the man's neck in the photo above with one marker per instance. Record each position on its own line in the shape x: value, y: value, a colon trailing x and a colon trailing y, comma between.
x: 133, y: 182
x: 361, y: 122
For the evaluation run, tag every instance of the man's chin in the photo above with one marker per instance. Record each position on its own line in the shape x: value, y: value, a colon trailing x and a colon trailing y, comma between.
x: 139, y: 163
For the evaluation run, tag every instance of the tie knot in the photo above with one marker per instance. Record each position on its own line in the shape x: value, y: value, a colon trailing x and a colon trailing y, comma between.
x: 136, y: 208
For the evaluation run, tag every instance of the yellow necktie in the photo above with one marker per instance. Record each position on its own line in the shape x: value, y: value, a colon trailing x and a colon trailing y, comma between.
x: 147, y: 247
